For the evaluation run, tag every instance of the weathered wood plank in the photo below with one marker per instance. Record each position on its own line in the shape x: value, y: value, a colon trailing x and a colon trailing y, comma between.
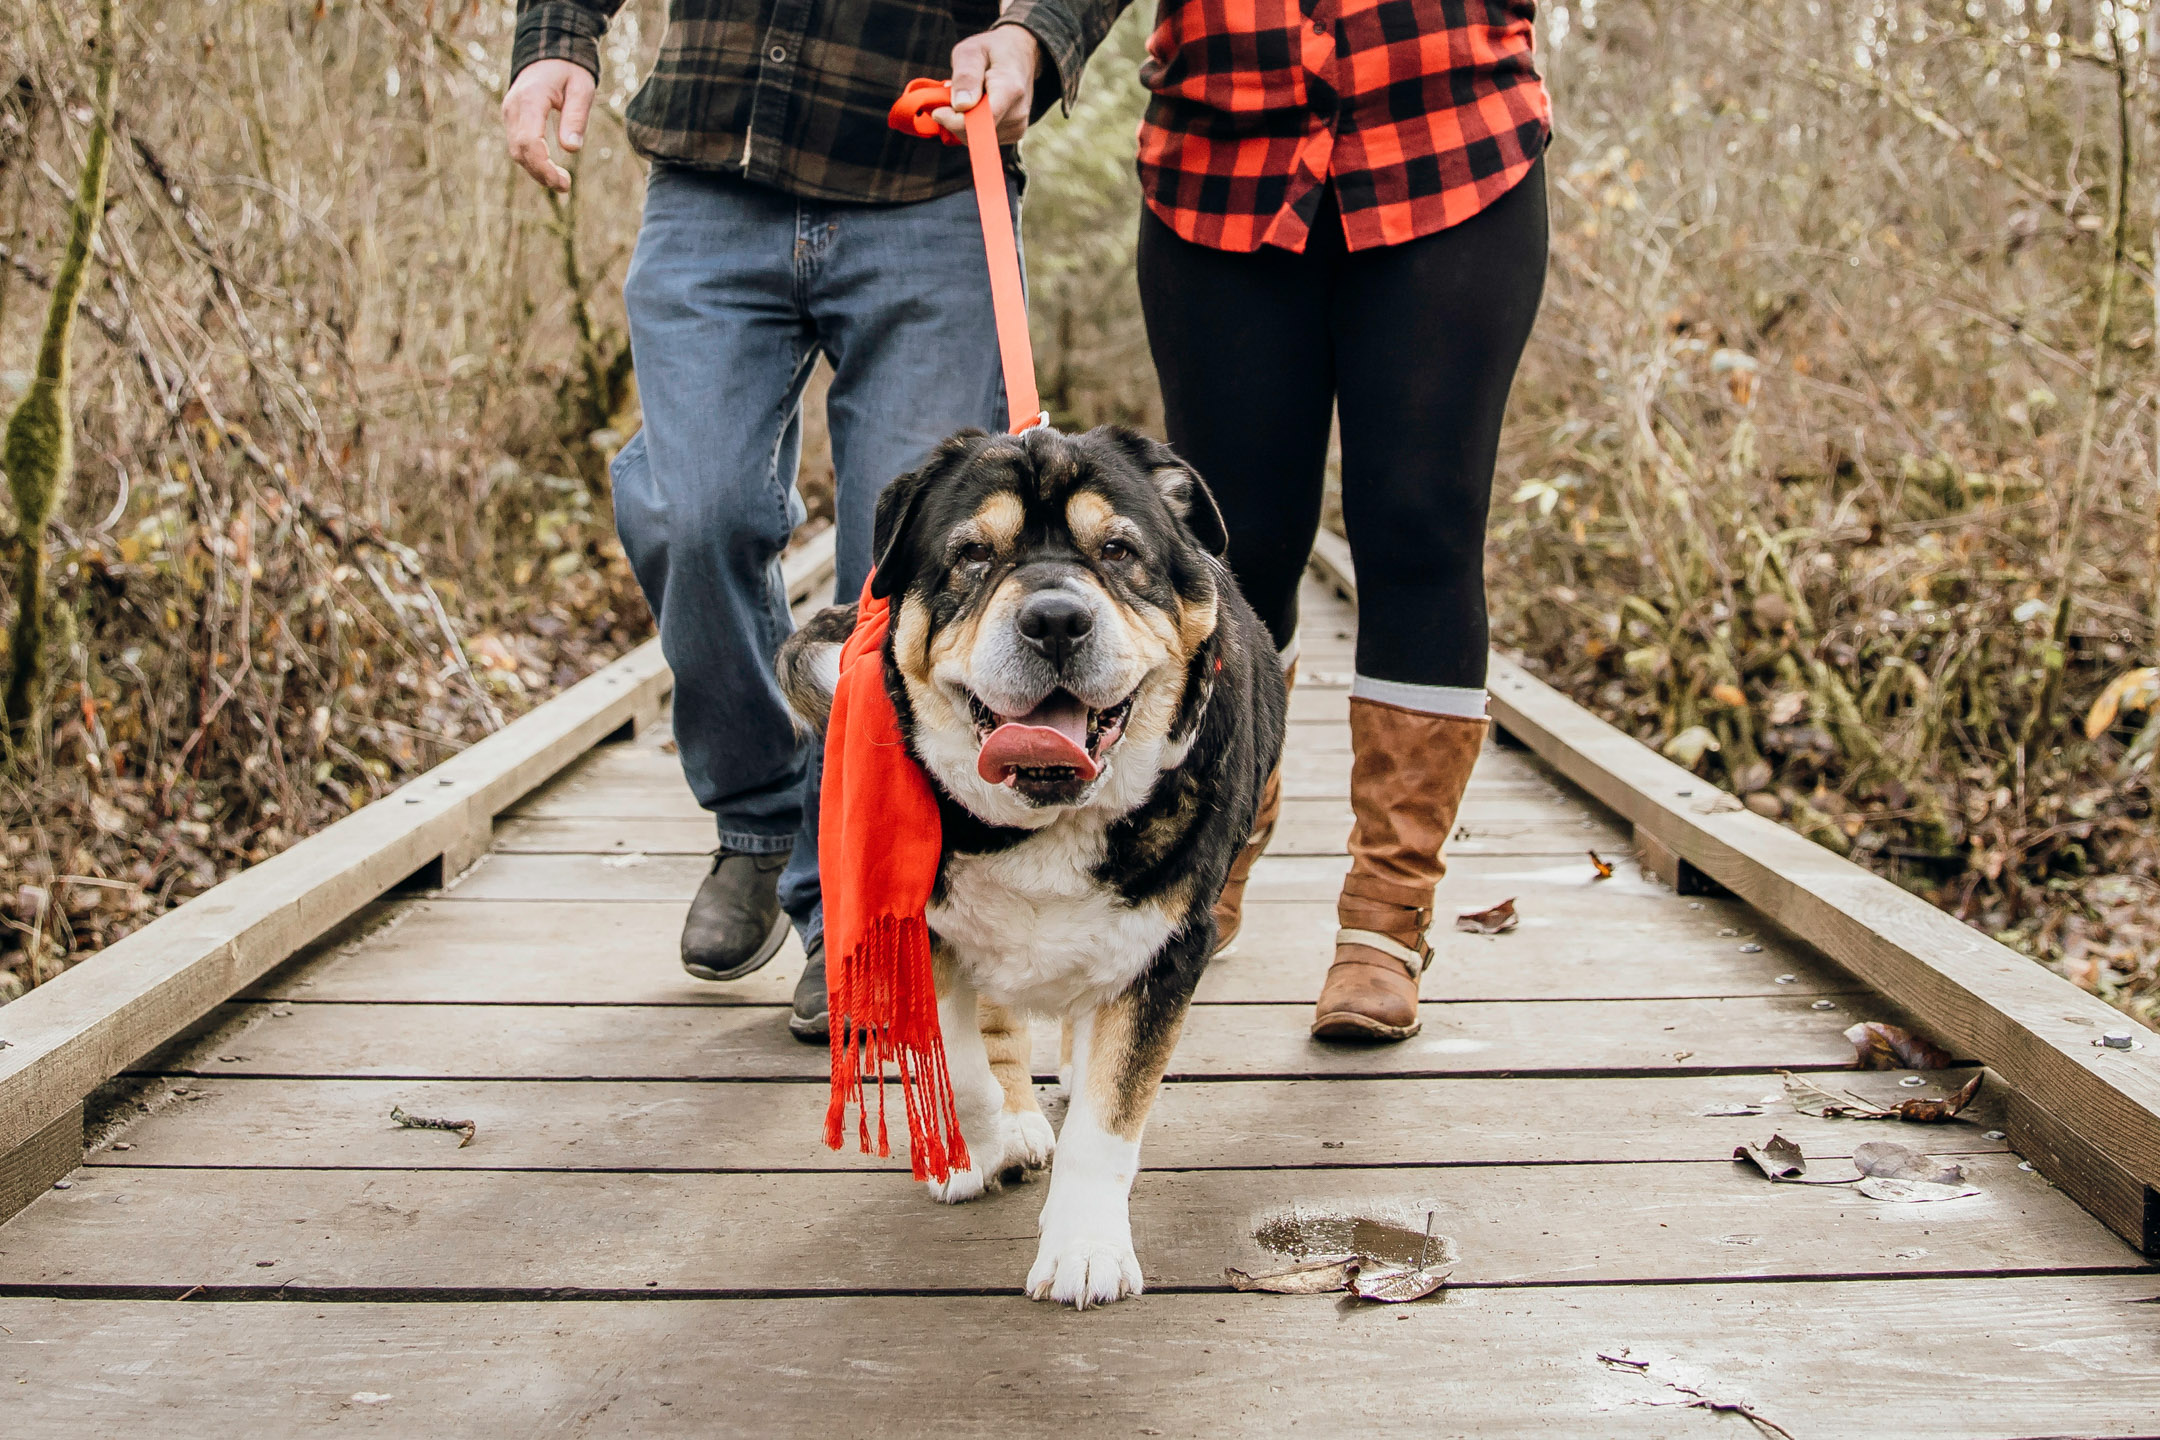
x: 1567, y: 882
x: 1975, y: 995
x: 751, y: 1042
x: 1513, y: 1224
x: 663, y: 795
x: 1307, y: 827
x: 1517, y: 1364
x: 1931, y: 1360
x: 624, y: 952
x: 675, y: 1125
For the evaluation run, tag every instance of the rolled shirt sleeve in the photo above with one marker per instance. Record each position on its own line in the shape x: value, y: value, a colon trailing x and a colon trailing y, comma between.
x: 1068, y: 31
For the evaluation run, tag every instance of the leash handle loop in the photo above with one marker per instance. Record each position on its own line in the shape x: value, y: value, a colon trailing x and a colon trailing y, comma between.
x: 910, y: 115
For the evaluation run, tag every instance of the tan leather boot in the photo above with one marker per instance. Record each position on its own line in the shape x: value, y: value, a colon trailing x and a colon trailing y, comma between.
x: 1407, y: 778
x: 1230, y: 905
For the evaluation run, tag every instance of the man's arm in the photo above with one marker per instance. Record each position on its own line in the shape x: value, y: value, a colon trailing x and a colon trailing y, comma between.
x: 554, y: 65
x: 1002, y: 63
x: 1068, y: 32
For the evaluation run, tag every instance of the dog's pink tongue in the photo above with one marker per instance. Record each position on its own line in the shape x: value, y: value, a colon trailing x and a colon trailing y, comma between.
x: 1054, y: 733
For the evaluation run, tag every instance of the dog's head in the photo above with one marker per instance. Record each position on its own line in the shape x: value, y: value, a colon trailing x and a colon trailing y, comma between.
x: 1049, y: 596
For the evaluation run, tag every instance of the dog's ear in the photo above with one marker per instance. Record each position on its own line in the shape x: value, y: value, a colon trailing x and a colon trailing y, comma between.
x: 899, y: 508
x: 1182, y: 489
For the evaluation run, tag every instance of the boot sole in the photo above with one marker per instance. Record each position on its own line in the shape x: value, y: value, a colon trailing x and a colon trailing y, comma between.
x: 810, y: 1032
x: 765, y: 952
x: 1349, y: 1025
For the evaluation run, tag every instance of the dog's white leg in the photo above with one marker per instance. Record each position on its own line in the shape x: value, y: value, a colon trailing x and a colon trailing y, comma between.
x: 1086, y: 1253
x: 1028, y: 1138
x: 977, y: 1096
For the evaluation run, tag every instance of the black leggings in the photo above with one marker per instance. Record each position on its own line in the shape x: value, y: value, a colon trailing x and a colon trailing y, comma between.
x: 1416, y: 345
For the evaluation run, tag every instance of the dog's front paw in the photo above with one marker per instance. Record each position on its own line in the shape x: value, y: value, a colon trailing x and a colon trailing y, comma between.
x: 1029, y: 1140
x: 958, y: 1188
x: 1083, y: 1266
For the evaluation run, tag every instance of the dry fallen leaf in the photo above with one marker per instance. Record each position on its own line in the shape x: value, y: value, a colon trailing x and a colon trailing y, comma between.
x: 1602, y: 866
x: 1729, y: 695
x: 1778, y: 1158
x: 1314, y: 1277
x: 1881, y: 1046
x: 1888, y: 1160
x: 1496, y: 921
x: 1786, y: 708
x: 464, y: 1128
x: 2131, y: 690
x: 1936, y: 1112
x: 1396, y: 1286
x: 1812, y: 1099
x: 1913, y: 1192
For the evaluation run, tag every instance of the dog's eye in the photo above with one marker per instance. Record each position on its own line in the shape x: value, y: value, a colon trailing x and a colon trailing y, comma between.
x: 976, y: 553
x: 1116, y: 551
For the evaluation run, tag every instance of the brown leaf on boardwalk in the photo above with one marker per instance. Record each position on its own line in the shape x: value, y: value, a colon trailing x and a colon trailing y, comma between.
x: 1881, y: 1046
x: 1778, y: 1158
x: 1601, y: 865
x: 1314, y: 1277
x: 465, y: 1128
x: 1496, y: 921
x: 1937, y: 1112
x: 1912, y: 1192
x: 1888, y: 1160
x: 1396, y: 1286
x: 1811, y: 1099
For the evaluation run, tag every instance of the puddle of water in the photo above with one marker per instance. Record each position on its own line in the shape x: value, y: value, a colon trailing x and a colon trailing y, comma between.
x: 1394, y: 1233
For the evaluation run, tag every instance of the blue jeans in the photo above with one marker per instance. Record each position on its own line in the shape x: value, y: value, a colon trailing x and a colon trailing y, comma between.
x: 734, y: 291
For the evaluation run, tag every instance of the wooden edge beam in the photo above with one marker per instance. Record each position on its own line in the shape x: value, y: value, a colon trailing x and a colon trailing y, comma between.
x: 2099, y: 1108
x: 70, y: 1035
x: 30, y: 1169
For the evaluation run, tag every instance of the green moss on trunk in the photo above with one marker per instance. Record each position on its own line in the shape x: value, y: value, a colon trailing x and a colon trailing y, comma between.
x: 38, y: 452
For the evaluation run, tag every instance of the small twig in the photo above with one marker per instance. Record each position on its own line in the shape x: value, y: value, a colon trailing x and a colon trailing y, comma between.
x: 465, y: 1128
x: 1697, y: 1400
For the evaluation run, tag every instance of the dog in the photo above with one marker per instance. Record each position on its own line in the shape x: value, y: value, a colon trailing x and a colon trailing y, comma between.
x: 1097, y: 709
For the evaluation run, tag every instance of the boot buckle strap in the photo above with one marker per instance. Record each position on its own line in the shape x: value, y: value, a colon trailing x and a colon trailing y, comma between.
x: 1413, y: 961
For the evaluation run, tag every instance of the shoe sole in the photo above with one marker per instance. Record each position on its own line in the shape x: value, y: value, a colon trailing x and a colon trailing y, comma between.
x: 810, y: 1032
x: 770, y: 948
x: 1349, y: 1025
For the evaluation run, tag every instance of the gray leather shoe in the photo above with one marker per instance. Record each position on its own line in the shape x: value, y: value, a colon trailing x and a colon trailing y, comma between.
x: 808, y: 1021
x: 735, y: 923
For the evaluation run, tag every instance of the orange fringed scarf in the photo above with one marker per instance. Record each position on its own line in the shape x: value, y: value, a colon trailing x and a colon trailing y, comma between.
x: 878, y: 844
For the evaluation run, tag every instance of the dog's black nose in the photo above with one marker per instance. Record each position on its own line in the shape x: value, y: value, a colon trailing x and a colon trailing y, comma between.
x: 1055, y: 623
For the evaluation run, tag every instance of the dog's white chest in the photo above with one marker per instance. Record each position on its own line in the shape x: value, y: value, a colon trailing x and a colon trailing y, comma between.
x: 1031, y: 928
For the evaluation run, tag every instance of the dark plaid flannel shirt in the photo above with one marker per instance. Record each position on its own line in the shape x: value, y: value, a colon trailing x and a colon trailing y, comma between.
x: 793, y: 93
x: 1419, y: 112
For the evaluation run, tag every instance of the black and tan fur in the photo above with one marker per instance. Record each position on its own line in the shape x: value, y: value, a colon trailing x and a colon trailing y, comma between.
x: 1084, y: 899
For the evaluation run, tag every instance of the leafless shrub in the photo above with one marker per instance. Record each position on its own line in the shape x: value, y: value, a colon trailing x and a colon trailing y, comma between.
x: 345, y: 391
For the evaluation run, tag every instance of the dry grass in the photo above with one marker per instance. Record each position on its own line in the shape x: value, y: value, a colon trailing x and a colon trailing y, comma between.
x: 338, y: 504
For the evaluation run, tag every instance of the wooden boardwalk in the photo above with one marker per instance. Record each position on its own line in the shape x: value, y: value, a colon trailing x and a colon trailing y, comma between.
x: 646, y: 1236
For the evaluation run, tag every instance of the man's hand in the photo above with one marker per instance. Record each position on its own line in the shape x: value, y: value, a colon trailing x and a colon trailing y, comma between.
x: 540, y: 89
x: 998, y: 67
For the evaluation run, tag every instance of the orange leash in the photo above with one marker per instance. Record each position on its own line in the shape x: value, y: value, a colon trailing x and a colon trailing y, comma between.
x: 911, y: 116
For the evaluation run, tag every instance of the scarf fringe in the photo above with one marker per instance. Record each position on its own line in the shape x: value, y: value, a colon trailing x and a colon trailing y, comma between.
x: 888, y: 975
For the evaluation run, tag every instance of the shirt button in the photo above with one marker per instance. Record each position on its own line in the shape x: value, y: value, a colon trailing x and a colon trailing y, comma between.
x: 777, y: 53
x: 1319, y: 27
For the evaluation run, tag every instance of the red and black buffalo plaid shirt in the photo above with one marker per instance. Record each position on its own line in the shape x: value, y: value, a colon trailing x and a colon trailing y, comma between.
x: 1420, y: 113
